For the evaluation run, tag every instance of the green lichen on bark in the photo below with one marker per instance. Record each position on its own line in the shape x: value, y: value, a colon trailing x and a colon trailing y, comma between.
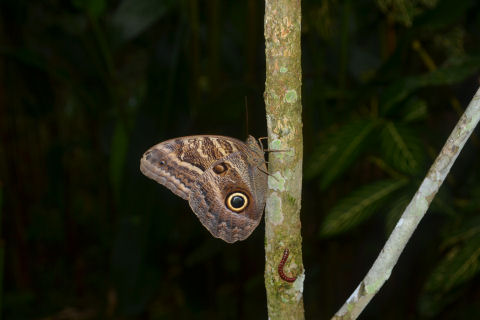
x: 283, y: 107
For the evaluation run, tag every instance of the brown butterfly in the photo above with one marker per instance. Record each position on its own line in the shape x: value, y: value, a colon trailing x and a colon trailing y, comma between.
x: 223, y: 179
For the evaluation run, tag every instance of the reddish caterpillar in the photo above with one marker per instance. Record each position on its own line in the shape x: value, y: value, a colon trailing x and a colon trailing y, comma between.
x: 282, y: 275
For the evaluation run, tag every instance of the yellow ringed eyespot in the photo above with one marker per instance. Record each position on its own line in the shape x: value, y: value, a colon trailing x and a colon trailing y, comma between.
x: 237, y: 201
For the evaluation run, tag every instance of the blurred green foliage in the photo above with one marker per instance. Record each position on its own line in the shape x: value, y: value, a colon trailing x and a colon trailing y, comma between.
x: 87, y: 86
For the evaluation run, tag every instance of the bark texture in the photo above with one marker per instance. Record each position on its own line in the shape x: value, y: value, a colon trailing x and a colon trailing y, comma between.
x: 283, y: 107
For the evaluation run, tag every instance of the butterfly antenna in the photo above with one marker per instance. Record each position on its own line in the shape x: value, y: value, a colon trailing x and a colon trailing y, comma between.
x: 268, y: 174
x: 260, y: 141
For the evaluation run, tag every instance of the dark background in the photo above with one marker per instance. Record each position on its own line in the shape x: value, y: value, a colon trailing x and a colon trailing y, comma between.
x: 88, y: 86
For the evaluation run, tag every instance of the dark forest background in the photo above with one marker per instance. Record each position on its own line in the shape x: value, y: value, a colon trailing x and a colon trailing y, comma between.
x: 87, y: 86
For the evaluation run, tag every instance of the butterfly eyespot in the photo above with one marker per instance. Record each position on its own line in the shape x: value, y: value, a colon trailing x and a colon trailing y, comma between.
x: 237, y: 201
x: 219, y: 168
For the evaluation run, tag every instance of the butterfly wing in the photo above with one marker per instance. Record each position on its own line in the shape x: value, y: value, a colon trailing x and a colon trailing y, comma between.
x: 189, y: 167
x: 162, y: 164
x: 178, y: 163
x: 212, y: 192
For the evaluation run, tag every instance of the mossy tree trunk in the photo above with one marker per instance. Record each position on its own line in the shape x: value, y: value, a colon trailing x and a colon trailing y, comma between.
x: 283, y: 107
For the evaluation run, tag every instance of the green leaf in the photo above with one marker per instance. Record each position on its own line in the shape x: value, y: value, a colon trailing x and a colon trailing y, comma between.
x: 335, y: 155
x: 468, y: 228
x: 415, y: 110
x: 460, y: 264
x: 402, y: 148
x: 455, y: 72
x: 320, y: 158
x: 404, y: 11
x: 444, y: 14
x: 358, y: 206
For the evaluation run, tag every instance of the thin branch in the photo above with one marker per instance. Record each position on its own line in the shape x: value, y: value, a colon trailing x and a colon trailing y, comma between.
x: 388, y: 257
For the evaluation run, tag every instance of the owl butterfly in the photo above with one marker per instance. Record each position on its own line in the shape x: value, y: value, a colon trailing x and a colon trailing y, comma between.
x: 223, y: 179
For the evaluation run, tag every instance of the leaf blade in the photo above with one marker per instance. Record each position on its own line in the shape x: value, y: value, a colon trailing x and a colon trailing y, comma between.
x: 358, y: 206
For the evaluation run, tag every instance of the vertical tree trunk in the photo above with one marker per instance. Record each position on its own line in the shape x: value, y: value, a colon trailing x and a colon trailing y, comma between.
x: 283, y: 107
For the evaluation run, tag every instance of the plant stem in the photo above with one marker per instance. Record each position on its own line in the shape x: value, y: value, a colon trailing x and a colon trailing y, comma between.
x: 388, y: 257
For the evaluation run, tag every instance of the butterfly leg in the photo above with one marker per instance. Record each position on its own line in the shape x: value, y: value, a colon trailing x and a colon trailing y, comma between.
x: 269, y: 150
x: 260, y: 141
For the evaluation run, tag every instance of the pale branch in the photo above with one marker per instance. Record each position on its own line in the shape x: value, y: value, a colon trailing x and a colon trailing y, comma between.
x: 388, y: 257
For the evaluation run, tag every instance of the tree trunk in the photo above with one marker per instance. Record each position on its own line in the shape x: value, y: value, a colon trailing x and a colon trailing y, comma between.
x: 283, y: 108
